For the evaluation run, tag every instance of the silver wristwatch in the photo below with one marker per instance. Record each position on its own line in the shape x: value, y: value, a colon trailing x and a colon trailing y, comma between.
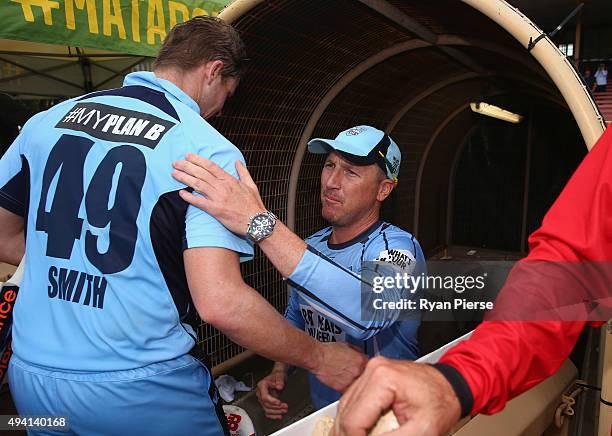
x: 261, y: 226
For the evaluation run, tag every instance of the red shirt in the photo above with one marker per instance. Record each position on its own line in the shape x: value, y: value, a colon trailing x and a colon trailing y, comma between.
x: 502, y: 359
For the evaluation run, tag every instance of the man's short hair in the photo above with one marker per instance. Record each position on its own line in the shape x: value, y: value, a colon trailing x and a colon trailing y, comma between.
x: 200, y: 40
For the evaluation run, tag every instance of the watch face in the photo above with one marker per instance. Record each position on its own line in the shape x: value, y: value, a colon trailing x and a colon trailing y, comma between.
x: 261, y: 226
x: 261, y: 222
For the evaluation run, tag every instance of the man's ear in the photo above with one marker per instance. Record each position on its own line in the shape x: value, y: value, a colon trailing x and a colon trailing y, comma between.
x: 385, y: 188
x: 214, y: 69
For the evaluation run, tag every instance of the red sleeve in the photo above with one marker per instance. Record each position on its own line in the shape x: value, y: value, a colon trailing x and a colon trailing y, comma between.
x: 502, y: 359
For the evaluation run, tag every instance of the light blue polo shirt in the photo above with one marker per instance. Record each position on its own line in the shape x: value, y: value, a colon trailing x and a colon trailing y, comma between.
x: 105, y: 286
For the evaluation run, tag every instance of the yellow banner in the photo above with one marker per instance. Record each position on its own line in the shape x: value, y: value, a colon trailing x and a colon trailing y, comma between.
x: 127, y: 26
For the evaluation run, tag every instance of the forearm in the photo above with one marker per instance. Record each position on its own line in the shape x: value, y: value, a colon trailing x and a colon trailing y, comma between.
x: 287, y: 252
x: 13, y: 249
x: 338, y: 291
x: 223, y: 299
x: 284, y: 249
x: 12, y: 240
x: 536, y: 321
x: 270, y: 335
x: 281, y: 367
x: 503, y: 359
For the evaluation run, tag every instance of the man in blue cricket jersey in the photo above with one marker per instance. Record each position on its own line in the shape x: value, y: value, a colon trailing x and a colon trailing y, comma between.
x: 117, y: 264
x: 360, y: 171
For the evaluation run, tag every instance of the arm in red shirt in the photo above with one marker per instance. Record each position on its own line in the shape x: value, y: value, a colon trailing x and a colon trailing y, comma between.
x: 502, y: 359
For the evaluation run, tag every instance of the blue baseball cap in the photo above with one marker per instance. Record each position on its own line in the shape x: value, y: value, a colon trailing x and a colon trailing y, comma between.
x: 363, y: 145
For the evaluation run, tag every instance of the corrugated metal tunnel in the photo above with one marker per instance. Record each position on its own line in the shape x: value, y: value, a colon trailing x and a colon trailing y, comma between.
x: 410, y: 68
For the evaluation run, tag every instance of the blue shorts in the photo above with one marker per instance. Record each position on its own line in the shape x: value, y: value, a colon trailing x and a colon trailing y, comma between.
x: 175, y: 397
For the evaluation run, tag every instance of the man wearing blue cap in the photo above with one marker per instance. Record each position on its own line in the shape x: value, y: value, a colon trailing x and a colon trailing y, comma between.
x: 359, y: 173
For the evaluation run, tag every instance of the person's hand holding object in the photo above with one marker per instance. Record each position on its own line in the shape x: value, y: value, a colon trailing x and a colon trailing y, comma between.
x: 423, y: 401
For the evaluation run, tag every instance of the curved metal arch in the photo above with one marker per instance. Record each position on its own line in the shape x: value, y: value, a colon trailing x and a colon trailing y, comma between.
x: 546, y: 53
x: 426, y: 93
x: 450, y: 198
x: 451, y: 81
x: 237, y: 9
x: 333, y: 92
x: 337, y: 88
x: 425, y: 155
x: 510, y: 53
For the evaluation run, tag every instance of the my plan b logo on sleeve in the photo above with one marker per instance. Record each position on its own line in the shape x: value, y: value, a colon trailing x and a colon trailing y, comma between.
x: 114, y: 124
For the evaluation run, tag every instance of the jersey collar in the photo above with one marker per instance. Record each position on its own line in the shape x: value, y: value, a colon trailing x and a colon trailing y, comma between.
x: 150, y: 80
x: 363, y: 236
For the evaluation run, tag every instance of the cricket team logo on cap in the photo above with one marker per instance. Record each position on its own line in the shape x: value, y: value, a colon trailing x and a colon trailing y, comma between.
x: 395, y: 165
x: 355, y: 131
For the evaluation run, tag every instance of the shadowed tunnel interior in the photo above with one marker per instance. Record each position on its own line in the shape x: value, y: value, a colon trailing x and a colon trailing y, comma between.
x: 319, y: 67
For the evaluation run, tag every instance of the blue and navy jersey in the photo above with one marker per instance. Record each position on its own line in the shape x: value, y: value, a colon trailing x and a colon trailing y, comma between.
x: 326, y: 297
x: 105, y: 286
